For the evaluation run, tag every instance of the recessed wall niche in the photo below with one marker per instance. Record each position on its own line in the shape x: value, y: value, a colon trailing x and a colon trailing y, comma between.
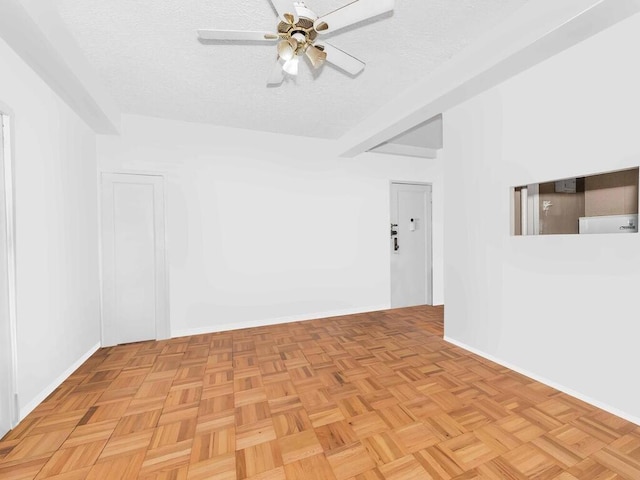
x: 603, y: 203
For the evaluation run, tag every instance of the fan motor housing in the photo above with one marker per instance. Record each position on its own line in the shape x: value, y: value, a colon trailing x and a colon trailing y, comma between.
x: 303, y: 11
x: 304, y: 26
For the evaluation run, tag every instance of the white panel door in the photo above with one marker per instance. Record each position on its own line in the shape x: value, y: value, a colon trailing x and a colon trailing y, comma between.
x: 133, y: 258
x: 7, y: 330
x: 411, y: 269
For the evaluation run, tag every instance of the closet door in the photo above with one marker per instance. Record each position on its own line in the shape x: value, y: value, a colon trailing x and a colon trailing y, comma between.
x: 133, y: 258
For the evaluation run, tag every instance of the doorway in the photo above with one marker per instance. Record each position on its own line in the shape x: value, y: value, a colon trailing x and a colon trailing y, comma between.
x: 411, y: 245
x: 8, y: 362
x: 134, y: 284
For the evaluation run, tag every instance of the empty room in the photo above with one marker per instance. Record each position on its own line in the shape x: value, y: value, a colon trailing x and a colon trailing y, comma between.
x: 319, y: 239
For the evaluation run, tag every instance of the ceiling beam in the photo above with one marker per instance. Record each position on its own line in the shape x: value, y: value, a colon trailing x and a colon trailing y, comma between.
x: 34, y: 30
x: 535, y: 33
x: 406, y: 150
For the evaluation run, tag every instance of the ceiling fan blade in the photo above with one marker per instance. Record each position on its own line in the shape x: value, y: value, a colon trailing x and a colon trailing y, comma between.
x: 277, y: 74
x: 237, y: 35
x: 354, y: 12
x: 316, y: 55
x: 286, y: 10
x: 343, y: 60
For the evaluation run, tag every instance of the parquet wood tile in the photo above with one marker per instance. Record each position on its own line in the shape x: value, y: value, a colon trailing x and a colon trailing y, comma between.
x: 368, y: 424
x: 311, y: 468
x: 404, y: 468
x: 213, y: 444
x: 350, y: 460
x: 437, y: 463
x: 34, y: 446
x: 533, y: 462
x: 23, y: 469
x: 255, y: 434
x: 127, y: 444
x: 71, y: 459
x: 216, y: 468
x: 257, y: 459
x: 383, y: 447
x: 94, y: 432
x: 336, y: 435
x: 468, y: 451
x: 125, y: 467
x: 300, y: 445
x: 376, y: 396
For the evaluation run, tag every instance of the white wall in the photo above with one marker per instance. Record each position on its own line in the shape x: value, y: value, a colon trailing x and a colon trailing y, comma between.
x: 56, y: 231
x: 264, y: 228
x: 561, y: 308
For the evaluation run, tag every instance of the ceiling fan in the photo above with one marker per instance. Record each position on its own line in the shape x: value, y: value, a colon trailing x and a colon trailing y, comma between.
x: 298, y: 34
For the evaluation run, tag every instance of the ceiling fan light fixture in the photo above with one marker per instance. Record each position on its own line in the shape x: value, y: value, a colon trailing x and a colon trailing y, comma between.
x: 286, y: 49
x: 291, y: 66
x: 316, y: 55
x: 299, y: 37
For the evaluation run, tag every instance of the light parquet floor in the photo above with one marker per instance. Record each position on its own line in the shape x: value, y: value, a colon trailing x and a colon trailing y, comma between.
x: 363, y: 397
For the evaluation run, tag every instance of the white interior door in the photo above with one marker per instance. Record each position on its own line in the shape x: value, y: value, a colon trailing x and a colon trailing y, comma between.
x: 133, y: 258
x: 411, y: 270
x: 8, y: 407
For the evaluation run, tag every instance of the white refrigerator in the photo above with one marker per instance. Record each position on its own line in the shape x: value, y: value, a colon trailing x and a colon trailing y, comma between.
x: 609, y: 224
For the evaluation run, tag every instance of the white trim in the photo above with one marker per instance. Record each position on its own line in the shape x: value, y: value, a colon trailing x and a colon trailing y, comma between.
x: 546, y: 381
x: 29, y: 407
x: 406, y: 150
x: 429, y: 240
x: 128, y: 171
x: 100, y: 263
x: 7, y: 159
x: 164, y: 331
x: 533, y: 205
x: 524, y: 211
x: 226, y: 327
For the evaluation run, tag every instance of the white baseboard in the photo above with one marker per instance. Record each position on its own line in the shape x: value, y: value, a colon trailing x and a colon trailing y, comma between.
x: 225, y: 327
x: 550, y: 383
x: 28, y: 408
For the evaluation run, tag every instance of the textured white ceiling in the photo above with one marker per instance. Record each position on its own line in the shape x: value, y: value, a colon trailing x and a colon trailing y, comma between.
x: 151, y: 61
